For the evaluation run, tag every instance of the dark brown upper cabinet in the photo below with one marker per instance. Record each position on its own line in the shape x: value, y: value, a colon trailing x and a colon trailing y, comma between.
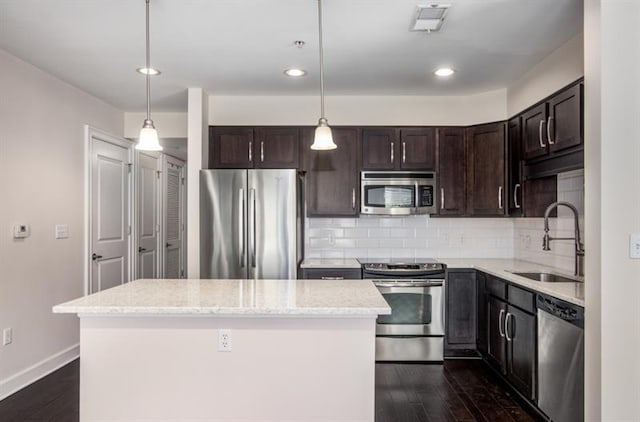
x: 514, y: 162
x: 333, y: 177
x: 277, y: 148
x: 565, y: 119
x: 451, y: 195
x: 246, y: 147
x: 379, y: 149
x: 231, y: 147
x: 417, y: 149
x: 486, y: 170
x: 554, y: 125
x: 399, y: 149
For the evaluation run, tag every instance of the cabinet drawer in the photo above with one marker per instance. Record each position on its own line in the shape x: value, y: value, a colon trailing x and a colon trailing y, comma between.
x: 521, y: 298
x: 496, y: 287
x: 332, y: 273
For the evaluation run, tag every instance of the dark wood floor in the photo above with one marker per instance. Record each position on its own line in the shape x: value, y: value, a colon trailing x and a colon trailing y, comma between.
x: 459, y: 390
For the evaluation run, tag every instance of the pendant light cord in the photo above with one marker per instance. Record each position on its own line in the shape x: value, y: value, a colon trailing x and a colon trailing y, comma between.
x: 148, y: 63
x: 321, y: 59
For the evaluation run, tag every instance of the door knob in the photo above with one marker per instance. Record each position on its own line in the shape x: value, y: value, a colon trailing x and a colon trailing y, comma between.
x: 141, y: 249
x: 168, y: 245
x: 95, y: 256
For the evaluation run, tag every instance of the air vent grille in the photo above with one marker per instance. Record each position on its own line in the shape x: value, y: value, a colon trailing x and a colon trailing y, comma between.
x: 430, y: 18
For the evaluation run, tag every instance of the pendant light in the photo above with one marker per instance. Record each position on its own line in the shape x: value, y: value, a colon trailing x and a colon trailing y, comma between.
x: 323, y: 140
x: 148, y: 140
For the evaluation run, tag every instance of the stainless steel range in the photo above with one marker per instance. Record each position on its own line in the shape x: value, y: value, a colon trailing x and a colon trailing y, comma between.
x: 415, y: 291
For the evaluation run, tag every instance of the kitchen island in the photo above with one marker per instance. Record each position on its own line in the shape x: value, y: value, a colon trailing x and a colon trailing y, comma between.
x: 298, y: 350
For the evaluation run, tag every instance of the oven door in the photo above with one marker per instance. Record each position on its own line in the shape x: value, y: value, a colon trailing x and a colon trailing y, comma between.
x: 415, y: 310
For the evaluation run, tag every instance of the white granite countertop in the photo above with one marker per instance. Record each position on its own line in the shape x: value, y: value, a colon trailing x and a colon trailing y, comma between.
x: 504, y: 268
x: 330, y: 263
x: 290, y: 298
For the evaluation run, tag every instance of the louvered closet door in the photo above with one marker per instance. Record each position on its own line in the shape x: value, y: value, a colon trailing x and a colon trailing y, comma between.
x: 174, y: 218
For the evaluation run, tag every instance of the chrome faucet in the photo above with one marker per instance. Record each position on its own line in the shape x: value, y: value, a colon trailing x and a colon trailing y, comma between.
x: 546, y: 240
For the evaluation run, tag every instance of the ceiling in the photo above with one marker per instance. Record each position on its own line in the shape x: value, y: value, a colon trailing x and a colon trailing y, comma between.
x: 241, y: 47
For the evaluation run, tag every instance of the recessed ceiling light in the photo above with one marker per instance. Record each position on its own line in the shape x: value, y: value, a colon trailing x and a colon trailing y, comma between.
x: 295, y: 72
x: 444, y: 71
x: 151, y: 71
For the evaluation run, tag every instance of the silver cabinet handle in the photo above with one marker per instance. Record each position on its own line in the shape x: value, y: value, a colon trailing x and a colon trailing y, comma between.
x: 252, y: 202
x: 499, y: 197
x: 353, y: 198
x: 331, y: 278
x: 506, y: 326
x: 500, y: 330
x: 515, y: 195
x: 241, y: 229
x: 542, y: 144
x: 250, y: 151
x: 392, y: 147
x: 442, y: 198
x: 549, y: 137
x: 262, y: 151
x: 404, y: 152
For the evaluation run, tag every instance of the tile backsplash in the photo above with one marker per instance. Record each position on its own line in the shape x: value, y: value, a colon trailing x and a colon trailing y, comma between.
x: 408, y: 237
x: 425, y: 237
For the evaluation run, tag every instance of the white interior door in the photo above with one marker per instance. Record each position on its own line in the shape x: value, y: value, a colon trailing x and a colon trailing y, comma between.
x: 174, y: 224
x: 109, y: 210
x: 147, y: 215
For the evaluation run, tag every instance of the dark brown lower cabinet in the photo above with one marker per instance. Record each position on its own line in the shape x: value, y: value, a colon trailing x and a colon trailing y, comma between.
x: 520, y: 332
x: 461, y: 309
x: 496, y: 340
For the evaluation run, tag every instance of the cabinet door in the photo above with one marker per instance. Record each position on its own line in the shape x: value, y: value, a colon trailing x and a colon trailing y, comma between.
x: 461, y: 309
x: 451, y: 171
x: 486, y: 170
x: 496, y: 341
x: 332, y: 178
x: 277, y: 148
x: 520, y: 329
x: 565, y: 119
x: 539, y: 194
x: 231, y: 147
x: 534, y: 134
x: 514, y: 153
x: 482, y: 317
x: 418, y: 149
x: 379, y: 149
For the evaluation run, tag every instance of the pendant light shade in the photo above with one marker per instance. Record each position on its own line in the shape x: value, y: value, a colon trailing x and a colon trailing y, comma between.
x: 148, y: 139
x: 323, y: 139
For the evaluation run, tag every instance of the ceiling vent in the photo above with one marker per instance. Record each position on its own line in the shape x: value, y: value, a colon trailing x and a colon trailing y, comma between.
x: 430, y: 18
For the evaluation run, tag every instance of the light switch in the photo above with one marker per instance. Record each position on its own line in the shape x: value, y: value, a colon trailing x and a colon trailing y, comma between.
x: 634, y: 246
x: 62, y: 231
x: 20, y: 231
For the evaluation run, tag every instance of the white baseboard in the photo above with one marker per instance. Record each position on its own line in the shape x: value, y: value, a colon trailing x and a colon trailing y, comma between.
x: 28, y: 376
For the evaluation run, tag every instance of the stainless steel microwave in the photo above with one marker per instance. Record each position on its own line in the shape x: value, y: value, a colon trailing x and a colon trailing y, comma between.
x: 397, y: 192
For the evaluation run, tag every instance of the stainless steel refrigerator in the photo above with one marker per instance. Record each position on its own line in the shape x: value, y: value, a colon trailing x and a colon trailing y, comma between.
x: 250, y: 224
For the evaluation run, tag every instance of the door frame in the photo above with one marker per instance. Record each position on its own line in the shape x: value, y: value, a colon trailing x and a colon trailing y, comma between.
x: 90, y: 133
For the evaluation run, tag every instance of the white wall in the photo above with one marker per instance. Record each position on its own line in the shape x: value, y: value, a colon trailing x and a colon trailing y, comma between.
x: 558, y: 69
x: 612, y: 135
x: 359, y: 110
x: 42, y: 184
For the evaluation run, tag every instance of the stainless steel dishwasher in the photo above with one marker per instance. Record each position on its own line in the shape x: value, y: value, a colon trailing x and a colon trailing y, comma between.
x: 560, y: 359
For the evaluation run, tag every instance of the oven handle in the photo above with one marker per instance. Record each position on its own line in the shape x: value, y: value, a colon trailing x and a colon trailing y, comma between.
x: 404, y: 273
x: 408, y: 284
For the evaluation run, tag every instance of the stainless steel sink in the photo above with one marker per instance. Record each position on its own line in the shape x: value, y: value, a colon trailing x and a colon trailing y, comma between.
x: 548, y: 277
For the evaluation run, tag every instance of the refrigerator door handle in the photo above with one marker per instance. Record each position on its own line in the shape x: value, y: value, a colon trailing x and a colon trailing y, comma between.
x: 242, y: 218
x: 252, y: 203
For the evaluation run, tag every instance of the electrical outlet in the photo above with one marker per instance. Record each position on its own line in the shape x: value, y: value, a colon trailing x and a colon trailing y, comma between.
x: 634, y: 246
x: 7, y: 336
x: 224, y: 340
